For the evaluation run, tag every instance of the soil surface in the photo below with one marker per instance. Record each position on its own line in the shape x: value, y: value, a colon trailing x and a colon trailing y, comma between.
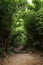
x: 22, y: 59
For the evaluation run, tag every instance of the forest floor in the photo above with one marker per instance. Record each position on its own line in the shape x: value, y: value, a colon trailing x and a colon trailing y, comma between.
x: 22, y: 59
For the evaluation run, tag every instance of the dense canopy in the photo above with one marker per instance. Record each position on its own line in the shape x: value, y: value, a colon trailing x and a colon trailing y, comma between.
x: 21, y: 23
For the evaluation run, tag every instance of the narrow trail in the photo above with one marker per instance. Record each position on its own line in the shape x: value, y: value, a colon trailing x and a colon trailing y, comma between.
x: 22, y: 59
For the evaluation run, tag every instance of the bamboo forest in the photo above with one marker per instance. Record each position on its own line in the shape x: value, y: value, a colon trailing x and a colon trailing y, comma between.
x: 21, y: 32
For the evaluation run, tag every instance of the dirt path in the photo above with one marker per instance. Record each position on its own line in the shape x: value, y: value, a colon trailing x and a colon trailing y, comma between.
x: 22, y: 59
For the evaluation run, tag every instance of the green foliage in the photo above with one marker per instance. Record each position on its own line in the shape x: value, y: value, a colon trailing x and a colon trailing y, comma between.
x: 21, y: 23
x: 37, y: 4
x: 34, y: 25
x: 6, y: 11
